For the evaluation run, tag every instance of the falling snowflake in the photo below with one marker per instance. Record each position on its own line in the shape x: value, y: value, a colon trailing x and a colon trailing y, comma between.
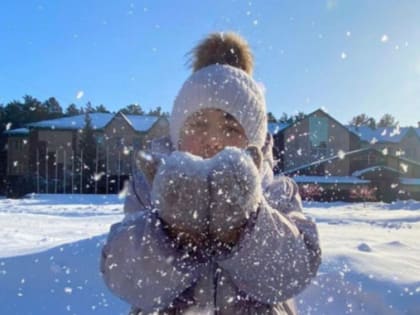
x: 80, y: 94
x: 404, y: 167
x: 123, y: 193
x: 384, y: 38
x: 343, y: 55
x: 341, y: 154
x: 97, y: 176
x: 8, y: 125
x: 68, y: 290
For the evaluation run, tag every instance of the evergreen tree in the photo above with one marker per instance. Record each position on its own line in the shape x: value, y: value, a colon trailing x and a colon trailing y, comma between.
x: 158, y: 112
x: 284, y: 118
x: 101, y: 109
x: 271, y: 118
x: 363, y: 120
x: 133, y: 109
x: 89, y: 108
x: 387, y: 120
x: 14, y: 114
x: 297, y: 117
x: 33, y: 110
x: 87, y: 147
x: 72, y: 110
x: 53, y: 108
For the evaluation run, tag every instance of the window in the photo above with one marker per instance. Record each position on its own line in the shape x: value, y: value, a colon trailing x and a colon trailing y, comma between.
x: 318, y: 136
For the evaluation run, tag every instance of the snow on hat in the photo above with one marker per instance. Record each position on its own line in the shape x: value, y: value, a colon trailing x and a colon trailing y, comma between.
x: 222, y: 80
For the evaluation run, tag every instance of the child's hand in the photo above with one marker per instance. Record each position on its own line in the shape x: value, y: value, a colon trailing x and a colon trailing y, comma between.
x: 235, y: 191
x: 181, y: 196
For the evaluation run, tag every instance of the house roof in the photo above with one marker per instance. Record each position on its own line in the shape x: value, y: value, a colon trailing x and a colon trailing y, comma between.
x: 99, y: 121
x: 410, y: 181
x: 17, y: 132
x: 330, y: 180
x: 375, y: 168
x: 276, y: 127
x: 384, y: 134
x: 139, y: 123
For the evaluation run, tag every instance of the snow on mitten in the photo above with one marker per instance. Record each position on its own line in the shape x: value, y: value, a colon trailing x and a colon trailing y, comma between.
x: 235, y: 191
x: 149, y: 163
x: 181, y: 196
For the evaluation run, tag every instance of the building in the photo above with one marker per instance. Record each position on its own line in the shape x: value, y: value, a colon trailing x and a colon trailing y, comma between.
x: 333, y: 161
x: 49, y: 154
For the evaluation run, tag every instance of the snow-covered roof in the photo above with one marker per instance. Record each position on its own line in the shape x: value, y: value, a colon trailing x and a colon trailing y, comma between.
x: 389, y: 134
x: 141, y: 122
x: 99, y: 121
x: 410, y: 181
x: 274, y: 128
x: 374, y: 168
x: 330, y: 180
x: 17, y: 132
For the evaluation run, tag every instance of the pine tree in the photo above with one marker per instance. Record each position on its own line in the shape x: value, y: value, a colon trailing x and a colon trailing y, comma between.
x: 72, y: 110
x: 363, y: 120
x: 133, y: 109
x: 271, y: 118
x: 87, y: 146
x: 387, y: 120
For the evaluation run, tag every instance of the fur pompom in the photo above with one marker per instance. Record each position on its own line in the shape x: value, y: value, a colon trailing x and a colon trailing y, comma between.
x: 222, y: 48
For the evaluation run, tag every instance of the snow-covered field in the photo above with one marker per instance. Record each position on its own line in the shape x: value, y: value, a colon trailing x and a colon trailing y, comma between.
x: 50, y: 246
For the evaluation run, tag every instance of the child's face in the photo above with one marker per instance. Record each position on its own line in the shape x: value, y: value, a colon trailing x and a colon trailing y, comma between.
x: 209, y: 131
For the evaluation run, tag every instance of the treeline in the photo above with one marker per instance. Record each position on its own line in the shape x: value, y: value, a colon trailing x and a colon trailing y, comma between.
x: 387, y: 120
x: 17, y: 113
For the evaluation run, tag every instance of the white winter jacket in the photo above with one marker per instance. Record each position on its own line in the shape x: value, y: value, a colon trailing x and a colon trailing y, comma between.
x: 275, y: 259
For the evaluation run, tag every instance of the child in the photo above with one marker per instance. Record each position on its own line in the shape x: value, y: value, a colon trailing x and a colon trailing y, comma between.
x: 208, y: 230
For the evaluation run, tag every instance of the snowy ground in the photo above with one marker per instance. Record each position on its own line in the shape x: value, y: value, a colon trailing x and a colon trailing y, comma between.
x: 50, y: 245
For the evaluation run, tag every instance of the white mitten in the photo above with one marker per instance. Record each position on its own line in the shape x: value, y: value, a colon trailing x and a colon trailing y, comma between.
x: 235, y: 190
x: 181, y: 196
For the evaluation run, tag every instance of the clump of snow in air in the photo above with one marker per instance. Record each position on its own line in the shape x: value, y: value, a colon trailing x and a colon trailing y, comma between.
x: 8, y: 125
x: 373, y: 141
x: 404, y: 167
x: 97, y: 176
x: 341, y: 154
x: 123, y: 192
x: 385, y: 151
x: 348, y: 33
x: 80, y: 94
x: 384, y: 38
x: 343, y: 55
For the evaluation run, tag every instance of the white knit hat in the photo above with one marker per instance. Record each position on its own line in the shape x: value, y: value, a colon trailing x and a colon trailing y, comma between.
x: 226, y: 88
x: 222, y: 80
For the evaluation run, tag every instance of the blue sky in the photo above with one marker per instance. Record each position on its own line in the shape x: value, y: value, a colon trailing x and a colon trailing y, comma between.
x: 348, y: 57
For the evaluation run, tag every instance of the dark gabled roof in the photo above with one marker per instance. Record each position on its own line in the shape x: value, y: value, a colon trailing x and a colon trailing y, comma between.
x: 319, y: 110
